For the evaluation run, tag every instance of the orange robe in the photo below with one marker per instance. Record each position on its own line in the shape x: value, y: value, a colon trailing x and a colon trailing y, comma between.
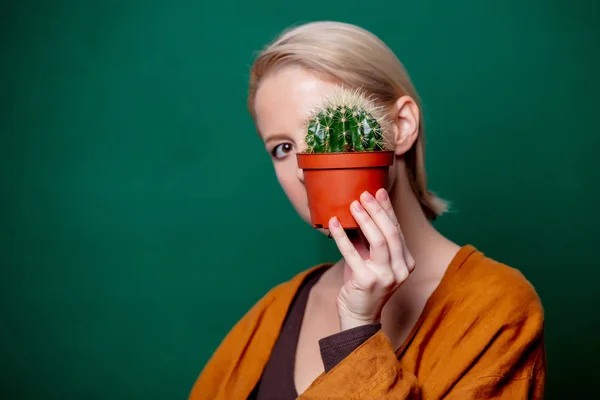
x: 480, y: 336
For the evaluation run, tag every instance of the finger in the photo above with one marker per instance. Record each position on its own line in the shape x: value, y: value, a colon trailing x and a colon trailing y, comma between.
x: 379, y: 251
x: 391, y: 234
x: 347, y: 249
x: 384, y: 199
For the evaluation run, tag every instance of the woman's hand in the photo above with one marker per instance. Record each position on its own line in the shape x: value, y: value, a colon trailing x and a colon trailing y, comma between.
x: 377, y: 275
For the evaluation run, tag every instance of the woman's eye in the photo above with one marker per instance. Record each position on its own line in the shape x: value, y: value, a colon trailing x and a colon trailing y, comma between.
x: 281, y: 150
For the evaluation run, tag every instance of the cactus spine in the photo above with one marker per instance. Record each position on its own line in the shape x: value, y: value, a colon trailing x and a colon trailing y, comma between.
x: 345, y: 122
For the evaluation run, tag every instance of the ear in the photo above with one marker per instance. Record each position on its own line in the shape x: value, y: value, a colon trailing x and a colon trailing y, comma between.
x: 405, y: 117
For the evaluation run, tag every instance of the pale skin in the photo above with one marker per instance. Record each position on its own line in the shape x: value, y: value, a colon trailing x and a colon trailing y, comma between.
x: 387, y: 273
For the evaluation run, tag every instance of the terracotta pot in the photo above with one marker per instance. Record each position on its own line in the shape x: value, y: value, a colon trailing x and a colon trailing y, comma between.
x: 334, y: 180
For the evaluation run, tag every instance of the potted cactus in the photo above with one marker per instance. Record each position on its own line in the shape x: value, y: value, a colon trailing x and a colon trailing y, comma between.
x: 345, y: 154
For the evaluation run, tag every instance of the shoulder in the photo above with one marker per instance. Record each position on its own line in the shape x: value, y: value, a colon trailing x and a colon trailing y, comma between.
x: 484, y: 312
x: 492, y: 290
x: 279, y: 297
x: 265, y: 315
x: 484, y: 328
x: 288, y: 288
x: 262, y: 320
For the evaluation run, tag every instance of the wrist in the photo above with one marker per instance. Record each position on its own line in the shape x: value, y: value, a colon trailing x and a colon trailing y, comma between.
x: 346, y: 324
x: 349, y: 319
x: 351, y: 322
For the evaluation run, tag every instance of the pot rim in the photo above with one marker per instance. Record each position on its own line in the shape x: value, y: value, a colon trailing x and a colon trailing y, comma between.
x: 355, y: 159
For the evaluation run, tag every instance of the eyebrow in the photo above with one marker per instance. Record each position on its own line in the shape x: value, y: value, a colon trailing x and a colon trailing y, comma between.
x: 278, y: 136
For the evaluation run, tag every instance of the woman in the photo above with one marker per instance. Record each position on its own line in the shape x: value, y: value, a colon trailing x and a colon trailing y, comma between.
x: 406, y: 313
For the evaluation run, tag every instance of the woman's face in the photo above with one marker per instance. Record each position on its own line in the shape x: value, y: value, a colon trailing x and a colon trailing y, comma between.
x: 282, y: 104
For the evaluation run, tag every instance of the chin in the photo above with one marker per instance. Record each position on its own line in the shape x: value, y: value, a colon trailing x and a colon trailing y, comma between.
x: 305, y: 215
x: 323, y: 231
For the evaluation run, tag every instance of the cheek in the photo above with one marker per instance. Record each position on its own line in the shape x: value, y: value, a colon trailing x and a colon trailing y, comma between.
x: 287, y: 178
x: 287, y: 175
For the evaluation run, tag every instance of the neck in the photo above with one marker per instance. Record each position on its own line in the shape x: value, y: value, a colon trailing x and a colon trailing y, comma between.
x: 430, y: 249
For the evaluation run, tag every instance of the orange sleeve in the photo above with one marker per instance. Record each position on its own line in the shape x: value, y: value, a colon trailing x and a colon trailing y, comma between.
x: 497, y: 355
x: 372, y: 371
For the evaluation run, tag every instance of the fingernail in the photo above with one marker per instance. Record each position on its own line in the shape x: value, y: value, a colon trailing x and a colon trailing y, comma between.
x: 334, y: 222
x: 383, y: 194
x: 356, y: 205
x: 368, y: 197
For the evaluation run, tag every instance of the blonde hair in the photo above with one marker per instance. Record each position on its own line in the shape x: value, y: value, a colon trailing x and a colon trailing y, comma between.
x: 358, y: 59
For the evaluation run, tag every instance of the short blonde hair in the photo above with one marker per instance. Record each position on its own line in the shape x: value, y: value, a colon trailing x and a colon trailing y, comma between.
x: 358, y: 59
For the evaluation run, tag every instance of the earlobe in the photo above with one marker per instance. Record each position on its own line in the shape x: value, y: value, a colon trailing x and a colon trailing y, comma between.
x: 406, y: 120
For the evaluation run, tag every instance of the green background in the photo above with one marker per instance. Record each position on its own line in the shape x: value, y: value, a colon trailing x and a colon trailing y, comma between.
x: 141, y: 217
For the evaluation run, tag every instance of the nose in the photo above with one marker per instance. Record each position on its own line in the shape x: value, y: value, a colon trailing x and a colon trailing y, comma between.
x: 300, y: 174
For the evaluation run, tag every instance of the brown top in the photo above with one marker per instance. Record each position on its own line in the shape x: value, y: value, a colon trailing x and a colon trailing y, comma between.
x: 480, y: 336
x: 277, y: 381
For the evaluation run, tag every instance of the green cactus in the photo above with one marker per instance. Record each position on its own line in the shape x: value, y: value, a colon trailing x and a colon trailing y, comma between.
x: 346, y: 122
